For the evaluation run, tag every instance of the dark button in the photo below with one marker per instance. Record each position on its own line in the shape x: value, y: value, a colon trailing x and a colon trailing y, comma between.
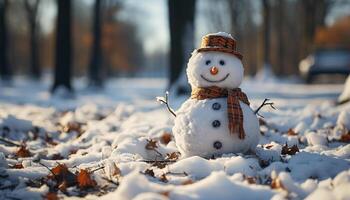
x: 216, y: 106
x: 216, y: 123
x: 217, y: 145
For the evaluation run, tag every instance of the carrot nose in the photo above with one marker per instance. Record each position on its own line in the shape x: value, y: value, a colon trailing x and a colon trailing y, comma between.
x: 214, y: 70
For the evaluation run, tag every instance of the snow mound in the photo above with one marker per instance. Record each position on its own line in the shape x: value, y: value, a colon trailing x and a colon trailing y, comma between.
x: 345, y: 95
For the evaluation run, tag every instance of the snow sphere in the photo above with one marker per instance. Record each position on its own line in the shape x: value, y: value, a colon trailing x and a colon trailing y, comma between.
x: 201, y: 126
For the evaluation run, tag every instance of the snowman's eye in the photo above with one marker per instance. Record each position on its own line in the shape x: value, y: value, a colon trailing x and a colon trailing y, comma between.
x: 207, y: 62
x: 222, y: 62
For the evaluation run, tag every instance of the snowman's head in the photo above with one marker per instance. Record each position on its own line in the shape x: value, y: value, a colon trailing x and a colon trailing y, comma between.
x: 213, y: 68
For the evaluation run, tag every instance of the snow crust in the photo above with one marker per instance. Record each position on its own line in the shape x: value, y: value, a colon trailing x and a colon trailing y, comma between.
x: 117, y: 127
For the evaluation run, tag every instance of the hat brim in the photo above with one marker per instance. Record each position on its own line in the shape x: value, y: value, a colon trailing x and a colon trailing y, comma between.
x: 220, y: 49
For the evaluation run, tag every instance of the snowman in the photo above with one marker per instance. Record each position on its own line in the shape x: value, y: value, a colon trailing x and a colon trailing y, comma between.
x: 216, y: 119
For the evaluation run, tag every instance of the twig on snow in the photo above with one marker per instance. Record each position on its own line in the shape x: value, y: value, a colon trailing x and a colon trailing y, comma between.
x: 9, y: 142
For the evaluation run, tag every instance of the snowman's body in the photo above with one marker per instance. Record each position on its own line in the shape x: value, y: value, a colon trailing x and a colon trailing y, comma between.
x: 197, y: 129
x: 201, y: 126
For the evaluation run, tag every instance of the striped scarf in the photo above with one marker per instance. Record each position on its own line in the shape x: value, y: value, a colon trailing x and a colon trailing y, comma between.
x: 234, y: 111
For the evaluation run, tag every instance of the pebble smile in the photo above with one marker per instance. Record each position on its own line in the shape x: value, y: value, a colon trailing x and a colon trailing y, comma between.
x: 215, y: 81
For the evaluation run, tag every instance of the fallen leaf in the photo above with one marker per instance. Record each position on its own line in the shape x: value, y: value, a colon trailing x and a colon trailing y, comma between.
x: 149, y: 172
x: 165, y: 193
x: 291, y: 132
x: 73, y: 126
x: 163, y: 178
x: 51, y: 196
x: 262, y: 122
x: 23, y: 152
x: 264, y: 163
x: 84, y: 179
x: 151, y: 144
x: 73, y: 151
x: 61, y: 174
x: 17, y: 166
x: 160, y: 165
x: 49, y: 140
x: 345, y: 138
x: 277, y: 184
x: 173, y: 156
x: 57, y: 156
x: 289, y: 150
x: 251, y: 180
x: 187, y: 182
x: 166, y: 138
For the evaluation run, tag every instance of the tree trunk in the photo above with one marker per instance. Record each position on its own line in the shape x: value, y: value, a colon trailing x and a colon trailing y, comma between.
x: 181, y: 21
x: 32, y: 15
x: 266, y: 32
x: 63, y: 47
x: 95, y: 70
x: 5, y: 71
x: 280, y: 30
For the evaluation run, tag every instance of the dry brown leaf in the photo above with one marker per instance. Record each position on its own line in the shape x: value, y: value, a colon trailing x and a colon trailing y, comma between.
x: 117, y: 171
x: 291, y: 132
x: 166, y: 138
x: 251, y: 180
x: 289, y: 150
x: 345, y: 138
x: 149, y: 172
x: 165, y: 193
x: 73, y: 126
x: 151, y: 144
x: 73, y: 151
x: 187, y: 182
x: 62, y: 174
x: 63, y: 186
x: 57, y: 156
x: 49, y: 140
x: 23, y: 152
x: 262, y: 122
x: 17, y: 166
x: 84, y: 179
x: 160, y: 165
x: 277, y: 184
x: 173, y: 156
x: 163, y: 178
x: 51, y: 196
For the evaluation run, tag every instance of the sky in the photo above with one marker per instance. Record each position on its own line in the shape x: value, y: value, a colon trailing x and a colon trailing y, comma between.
x: 150, y: 16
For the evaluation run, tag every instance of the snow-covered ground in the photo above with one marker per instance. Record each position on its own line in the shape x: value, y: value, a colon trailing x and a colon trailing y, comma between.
x: 123, y: 138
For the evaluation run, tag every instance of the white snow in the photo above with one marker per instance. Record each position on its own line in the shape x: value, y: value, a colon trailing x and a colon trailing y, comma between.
x: 345, y: 95
x: 223, y: 34
x: 118, y: 122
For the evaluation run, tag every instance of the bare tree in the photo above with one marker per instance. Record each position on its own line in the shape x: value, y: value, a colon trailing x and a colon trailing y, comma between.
x: 95, y: 71
x: 266, y: 32
x: 181, y: 21
x: 5, y: 71
x: 63, y: 47
x: 313, y: 13
x: 280, y: 30
x: 32, y: 7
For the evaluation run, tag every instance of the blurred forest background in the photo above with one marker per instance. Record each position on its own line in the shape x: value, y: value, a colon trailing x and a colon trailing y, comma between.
x: 99, y: 39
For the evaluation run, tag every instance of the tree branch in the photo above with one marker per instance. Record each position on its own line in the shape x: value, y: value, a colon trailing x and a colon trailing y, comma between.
x: 165, y: 101
x: 265, y: 103
x: 9, y: 142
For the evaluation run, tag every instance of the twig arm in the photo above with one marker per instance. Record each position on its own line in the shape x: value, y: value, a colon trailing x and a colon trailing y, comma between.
x: 265, y: 103
x: 165, y: 101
